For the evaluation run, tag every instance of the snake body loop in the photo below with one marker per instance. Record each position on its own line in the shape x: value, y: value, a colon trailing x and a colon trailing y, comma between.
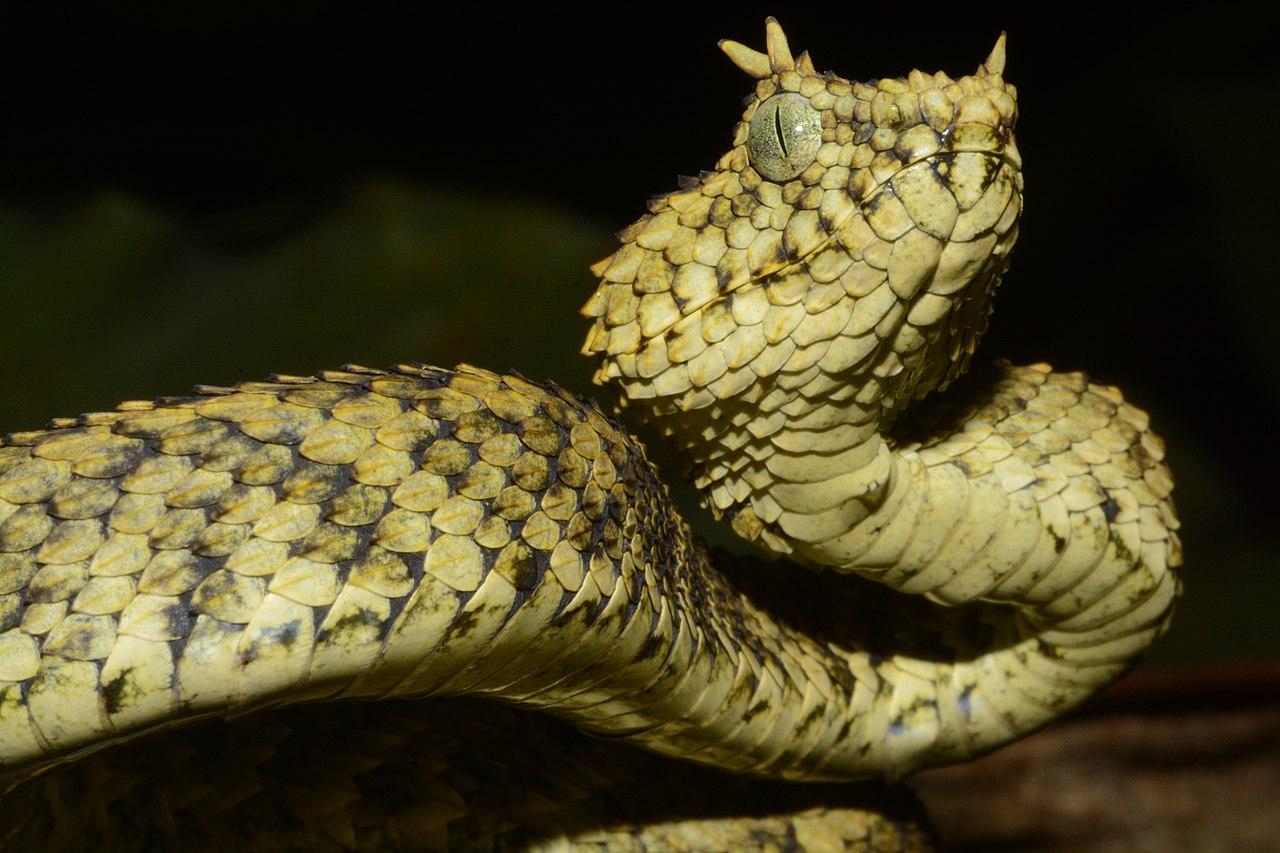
x: 423, y: 532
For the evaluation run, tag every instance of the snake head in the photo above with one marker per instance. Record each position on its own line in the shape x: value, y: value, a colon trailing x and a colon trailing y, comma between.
x: 852, y: 230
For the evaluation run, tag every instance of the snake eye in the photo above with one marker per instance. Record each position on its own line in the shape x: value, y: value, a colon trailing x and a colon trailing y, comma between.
x: 784, y: 136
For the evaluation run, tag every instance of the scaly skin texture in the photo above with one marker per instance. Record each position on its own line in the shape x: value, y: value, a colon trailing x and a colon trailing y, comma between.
x: 424, y: 532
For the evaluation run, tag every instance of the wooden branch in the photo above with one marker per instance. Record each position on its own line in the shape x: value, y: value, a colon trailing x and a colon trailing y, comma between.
x: 1167, y: 760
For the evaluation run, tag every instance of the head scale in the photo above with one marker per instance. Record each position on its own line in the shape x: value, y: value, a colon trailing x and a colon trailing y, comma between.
x: 854, y: 231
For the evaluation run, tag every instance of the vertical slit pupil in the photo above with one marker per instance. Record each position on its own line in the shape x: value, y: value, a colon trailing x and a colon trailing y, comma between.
x: 777, y: 129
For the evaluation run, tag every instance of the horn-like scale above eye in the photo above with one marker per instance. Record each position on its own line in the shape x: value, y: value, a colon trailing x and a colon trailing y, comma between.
x: 784, y: 136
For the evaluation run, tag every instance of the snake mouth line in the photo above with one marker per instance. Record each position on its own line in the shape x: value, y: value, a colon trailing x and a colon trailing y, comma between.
x: 1003, y: 158
x: 1006, y: 156
x: 860, y: 208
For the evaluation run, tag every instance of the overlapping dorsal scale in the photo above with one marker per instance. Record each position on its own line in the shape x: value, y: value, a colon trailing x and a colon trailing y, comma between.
x: 195, y: 552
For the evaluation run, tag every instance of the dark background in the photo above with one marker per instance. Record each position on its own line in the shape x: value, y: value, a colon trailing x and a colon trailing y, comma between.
x: 212, y: 194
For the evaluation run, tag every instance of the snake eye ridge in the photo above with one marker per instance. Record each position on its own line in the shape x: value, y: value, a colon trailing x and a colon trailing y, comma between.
x: 784, y: 136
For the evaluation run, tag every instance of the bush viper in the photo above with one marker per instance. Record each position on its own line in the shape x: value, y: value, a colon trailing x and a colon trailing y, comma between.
x: 790, y: 319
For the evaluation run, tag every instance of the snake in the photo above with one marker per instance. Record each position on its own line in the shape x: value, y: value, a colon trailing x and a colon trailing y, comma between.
x: 945, y: 559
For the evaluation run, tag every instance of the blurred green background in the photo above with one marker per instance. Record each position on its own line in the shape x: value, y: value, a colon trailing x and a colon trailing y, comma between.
x: 115, y: 296
x: 209, y: 196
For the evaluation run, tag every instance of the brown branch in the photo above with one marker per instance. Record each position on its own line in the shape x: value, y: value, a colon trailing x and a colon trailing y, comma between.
x: 1184, y: 759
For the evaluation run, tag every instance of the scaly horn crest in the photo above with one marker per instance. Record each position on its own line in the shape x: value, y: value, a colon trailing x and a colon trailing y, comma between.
x: 995, y: 62
x: 777, y: 59
x: 776, y: 43
x: 751, y: 61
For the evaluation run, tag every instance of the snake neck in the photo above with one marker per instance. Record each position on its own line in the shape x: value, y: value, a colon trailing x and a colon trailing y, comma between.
x: 810, y: 438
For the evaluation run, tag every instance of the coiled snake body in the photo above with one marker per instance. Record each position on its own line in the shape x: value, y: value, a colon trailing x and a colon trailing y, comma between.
x: 455, y: 533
